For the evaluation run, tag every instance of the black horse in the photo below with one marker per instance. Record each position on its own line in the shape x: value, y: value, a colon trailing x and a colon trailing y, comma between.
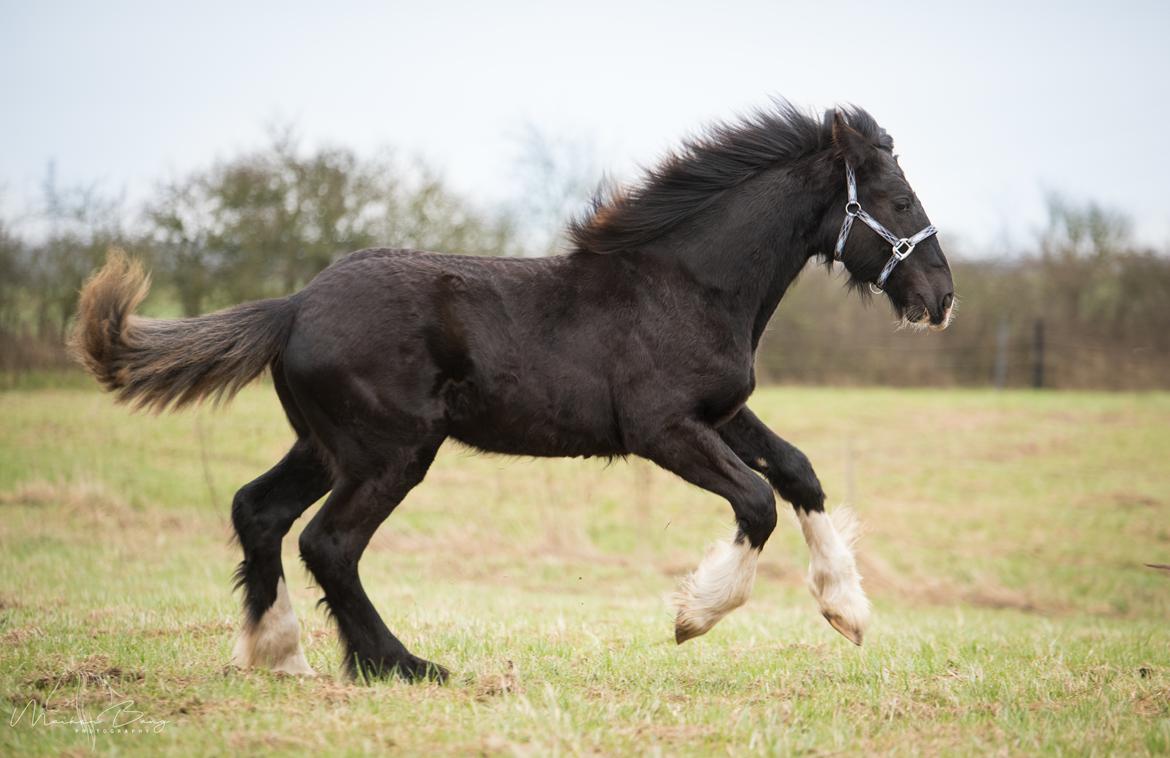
x: 640, y: 341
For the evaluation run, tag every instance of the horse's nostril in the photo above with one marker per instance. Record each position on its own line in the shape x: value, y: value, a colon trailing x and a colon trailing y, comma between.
x: 947, y: 300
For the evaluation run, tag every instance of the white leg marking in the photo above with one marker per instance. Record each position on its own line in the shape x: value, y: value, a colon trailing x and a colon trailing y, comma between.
x: 721, y: 583
x: 275, y: 642
x: 832, y: 573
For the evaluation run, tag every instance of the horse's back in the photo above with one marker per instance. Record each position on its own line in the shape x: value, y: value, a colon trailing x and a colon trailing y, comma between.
x: 497, y: 352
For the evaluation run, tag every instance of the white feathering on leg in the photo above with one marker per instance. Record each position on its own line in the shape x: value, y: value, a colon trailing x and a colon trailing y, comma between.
x: 722, y: 582
x: 275, y: 641
x: 833, y: 578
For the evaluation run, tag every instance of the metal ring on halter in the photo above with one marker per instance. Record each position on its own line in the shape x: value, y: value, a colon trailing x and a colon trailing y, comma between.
x: 875, y: 289
x: 898, y: 252
x: 852, y: 208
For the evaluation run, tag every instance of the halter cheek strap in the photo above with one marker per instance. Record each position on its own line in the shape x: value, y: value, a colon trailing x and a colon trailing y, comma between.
x: 901, y: 246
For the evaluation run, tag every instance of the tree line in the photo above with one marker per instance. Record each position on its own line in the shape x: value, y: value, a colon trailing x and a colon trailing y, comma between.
x: 1085, y: 306
x: 260, y: 224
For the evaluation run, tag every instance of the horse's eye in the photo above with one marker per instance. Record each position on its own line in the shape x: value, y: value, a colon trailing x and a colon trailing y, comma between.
x: 902, y: 204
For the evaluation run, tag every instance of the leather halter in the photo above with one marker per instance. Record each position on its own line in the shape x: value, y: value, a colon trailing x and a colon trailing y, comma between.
x: 901, y: 246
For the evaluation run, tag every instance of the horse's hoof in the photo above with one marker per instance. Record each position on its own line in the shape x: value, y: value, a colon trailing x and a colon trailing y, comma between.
x: 295, y: 665
x: 420, y: 670
x: 852, y: 634
x: 407, y: 667
x: 685, y: 630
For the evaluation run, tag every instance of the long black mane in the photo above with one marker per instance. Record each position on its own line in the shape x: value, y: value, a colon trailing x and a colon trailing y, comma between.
x: 719, y: 158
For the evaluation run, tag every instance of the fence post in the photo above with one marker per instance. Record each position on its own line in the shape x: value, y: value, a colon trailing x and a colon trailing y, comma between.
x: 1001, y: 356
x: 1038, y: 354
x: 850, y: 479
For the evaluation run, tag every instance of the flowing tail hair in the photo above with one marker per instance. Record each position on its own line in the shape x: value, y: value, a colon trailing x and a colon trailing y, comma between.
x: 169, y: 363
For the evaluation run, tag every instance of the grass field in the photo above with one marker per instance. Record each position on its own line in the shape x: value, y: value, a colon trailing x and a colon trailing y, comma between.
x: 1006, y: 540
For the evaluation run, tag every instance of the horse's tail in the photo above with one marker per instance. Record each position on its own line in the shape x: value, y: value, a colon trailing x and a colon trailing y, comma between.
x: 161, y: 363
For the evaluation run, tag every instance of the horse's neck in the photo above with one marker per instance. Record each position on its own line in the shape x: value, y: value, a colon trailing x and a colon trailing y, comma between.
x: 748, y: 252
x: 777, y: 284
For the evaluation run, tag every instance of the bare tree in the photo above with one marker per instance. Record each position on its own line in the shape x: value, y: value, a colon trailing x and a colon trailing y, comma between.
x: 556, y: 176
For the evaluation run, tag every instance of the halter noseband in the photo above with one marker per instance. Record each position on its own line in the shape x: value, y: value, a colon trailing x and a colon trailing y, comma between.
x: 901, y: 246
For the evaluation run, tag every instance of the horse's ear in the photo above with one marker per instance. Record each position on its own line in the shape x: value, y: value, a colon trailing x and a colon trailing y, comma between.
x: 849, y: 143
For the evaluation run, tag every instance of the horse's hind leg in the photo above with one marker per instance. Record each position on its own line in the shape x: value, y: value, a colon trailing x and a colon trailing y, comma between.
x: 333, y: 543
x: 262, y: 513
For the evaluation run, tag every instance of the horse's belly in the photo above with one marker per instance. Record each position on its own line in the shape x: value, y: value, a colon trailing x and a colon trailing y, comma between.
x: 533, y: 423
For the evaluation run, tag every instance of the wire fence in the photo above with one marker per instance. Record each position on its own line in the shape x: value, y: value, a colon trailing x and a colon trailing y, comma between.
x: 1027, y: 357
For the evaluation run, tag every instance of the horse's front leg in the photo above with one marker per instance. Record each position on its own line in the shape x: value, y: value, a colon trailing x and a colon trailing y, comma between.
x: 833, y: 578
x: 723, y: 580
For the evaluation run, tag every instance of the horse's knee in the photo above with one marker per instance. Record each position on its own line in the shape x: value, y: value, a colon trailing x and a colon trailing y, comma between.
x: 756, y: 514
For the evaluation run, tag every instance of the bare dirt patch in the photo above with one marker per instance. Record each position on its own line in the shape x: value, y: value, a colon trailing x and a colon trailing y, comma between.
x: 506, y: 682
x: 95, y: 669
x: 85, y: 495
x: 20, y: 635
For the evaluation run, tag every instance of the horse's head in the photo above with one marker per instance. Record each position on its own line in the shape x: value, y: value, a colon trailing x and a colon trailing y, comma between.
x: 917, y: 277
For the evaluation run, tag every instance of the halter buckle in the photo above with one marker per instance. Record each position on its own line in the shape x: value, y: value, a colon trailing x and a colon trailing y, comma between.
x: 902, y: 248
x: 852, y: 208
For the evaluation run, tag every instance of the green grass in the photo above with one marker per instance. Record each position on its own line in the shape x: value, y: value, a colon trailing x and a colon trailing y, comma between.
x: 1006, y: 540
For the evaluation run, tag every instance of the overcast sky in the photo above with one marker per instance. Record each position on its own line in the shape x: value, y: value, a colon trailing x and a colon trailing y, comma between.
x: 991, y: 104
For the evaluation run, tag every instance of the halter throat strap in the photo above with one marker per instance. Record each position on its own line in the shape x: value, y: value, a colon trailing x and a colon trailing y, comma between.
x: 900, y: 247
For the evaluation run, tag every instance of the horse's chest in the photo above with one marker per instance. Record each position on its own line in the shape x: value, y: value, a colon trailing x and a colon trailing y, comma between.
x: 724, y: 399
